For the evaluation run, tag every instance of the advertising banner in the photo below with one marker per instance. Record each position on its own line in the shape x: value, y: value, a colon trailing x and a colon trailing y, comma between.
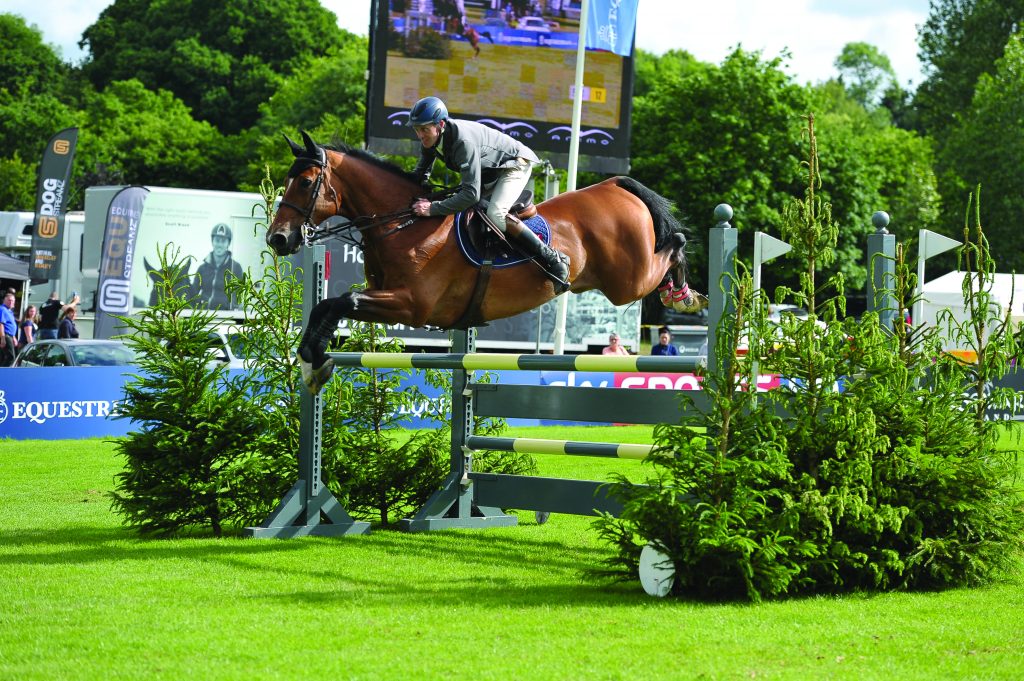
x: 117, y: 259
x: 611, y: 26
x: 51, y: 202
x: 62, y: 403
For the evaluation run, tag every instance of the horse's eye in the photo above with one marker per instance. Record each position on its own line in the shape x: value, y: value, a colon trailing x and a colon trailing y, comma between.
x: 305, y: 182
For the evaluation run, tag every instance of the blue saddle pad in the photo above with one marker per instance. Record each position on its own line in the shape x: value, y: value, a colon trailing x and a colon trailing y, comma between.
x: 505, y: 258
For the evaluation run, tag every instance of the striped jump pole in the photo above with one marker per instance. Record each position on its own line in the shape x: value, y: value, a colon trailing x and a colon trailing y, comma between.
x: 494, y: 361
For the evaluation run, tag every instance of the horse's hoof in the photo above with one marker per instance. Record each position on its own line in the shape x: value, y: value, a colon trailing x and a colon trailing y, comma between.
x: 691, y: 304
x: 315, y: 379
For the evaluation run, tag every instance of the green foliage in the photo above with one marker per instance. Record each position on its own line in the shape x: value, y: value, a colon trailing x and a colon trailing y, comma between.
x: 867, y: 164
x: 204, y: 455
x: 149, y: 138
x: 426, y: 43
x: 986, y: 146
x: 325, y: 97
x: 960, y: 40
x: 377, y: 475
x: 738, y: 150
x: 866, y: 72
x: 872, y: 469
x: 221, y: 59
x: 27, y: 64
x: 741, y: 150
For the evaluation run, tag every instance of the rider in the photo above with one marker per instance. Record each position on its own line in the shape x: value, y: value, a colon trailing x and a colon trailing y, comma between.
x: 486, y: 160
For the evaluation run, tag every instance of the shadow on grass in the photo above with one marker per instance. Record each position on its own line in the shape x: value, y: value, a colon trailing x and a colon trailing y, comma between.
x: 490, y: 567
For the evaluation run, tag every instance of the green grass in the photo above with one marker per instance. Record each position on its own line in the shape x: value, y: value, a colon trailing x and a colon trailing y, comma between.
x: 83, y: 598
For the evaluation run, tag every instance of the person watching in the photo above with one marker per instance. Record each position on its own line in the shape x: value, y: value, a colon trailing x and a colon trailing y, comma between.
x: 613, y: 347
x: 67, y: 323
x: 27, y: 327
x: 664, y: 345
x: 51, y: 312
x: 10, y: 325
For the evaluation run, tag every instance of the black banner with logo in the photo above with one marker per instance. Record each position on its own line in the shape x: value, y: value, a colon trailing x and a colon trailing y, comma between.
x: 51, y: 198
x: 117, y: 257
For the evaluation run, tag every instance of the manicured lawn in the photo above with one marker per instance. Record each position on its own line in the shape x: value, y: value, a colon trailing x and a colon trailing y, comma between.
x: 82, y: 598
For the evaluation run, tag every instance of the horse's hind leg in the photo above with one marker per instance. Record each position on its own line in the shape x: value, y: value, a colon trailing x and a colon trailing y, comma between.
x: 679, y: 297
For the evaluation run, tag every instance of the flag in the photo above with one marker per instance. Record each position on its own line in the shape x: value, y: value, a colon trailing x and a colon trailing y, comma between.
x: 51, y: 198
x: 611, y: 25
x: 117, y: 258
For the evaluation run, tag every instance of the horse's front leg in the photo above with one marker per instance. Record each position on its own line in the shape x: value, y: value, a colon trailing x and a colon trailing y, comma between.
x: 386, y: 307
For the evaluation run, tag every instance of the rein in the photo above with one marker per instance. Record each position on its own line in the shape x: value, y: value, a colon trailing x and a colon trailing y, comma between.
x: 312, y: 234
x: 361, y: 224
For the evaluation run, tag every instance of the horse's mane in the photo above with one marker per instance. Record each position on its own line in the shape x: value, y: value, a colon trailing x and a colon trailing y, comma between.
x: 372, y: 159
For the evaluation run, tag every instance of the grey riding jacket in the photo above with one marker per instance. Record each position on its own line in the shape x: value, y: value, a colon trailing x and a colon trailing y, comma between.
x: 477, y: 153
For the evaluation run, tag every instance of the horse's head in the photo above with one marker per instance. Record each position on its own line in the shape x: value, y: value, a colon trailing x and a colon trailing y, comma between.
x: 308, y: 198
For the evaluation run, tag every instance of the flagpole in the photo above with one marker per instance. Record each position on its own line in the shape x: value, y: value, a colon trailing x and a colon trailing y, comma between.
x: 574, y: 148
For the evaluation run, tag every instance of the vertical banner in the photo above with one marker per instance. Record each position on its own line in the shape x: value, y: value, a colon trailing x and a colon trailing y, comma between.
x: 611, y: 26
x: 51, y: 196
x: 117, y: 257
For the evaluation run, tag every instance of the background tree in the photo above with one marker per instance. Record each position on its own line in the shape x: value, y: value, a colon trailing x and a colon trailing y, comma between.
x: 148, y: 137
x: 720, y: 134
x: 986, y: 146
x: 325, y: 97
x: 865, y: 72
x: 34, y: 94
x: 960, y: 40
x: 221, y: 59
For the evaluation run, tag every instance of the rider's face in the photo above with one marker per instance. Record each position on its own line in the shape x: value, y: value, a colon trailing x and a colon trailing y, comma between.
x: 428, y: 134
x: 220, y: 246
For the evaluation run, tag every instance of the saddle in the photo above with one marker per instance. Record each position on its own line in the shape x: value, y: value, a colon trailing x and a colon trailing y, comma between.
x: 483, y: 237
x: 486, y: 247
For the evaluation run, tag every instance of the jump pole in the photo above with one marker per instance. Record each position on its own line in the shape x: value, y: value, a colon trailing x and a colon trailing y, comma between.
x: 309, y: 508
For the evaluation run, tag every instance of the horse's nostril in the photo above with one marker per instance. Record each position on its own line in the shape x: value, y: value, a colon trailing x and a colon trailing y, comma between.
x: 277, y: 241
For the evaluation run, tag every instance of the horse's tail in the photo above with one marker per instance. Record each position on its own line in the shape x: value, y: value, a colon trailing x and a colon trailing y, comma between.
x: 487, y: 34
x: 666, y: 227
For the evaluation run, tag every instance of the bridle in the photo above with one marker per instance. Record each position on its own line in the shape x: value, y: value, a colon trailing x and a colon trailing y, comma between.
x: 307, y: 227
x: 350, y: 231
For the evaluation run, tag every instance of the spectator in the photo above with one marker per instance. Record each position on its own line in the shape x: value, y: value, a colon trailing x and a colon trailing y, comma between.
x: 664, y: 346
x: 50, y: 314
x: 27, y: 328
x: 9, y: 348
x: 613, y: 347
x: 67, y: 323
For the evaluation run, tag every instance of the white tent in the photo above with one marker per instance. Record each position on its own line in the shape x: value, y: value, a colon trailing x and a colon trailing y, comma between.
x: 946, y: 293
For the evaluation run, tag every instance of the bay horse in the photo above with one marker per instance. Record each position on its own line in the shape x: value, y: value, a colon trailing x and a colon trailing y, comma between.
x: 460, y: 26
x: 620, y: 236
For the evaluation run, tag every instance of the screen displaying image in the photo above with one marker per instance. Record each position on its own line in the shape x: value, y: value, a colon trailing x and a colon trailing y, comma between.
x: 510, y: 65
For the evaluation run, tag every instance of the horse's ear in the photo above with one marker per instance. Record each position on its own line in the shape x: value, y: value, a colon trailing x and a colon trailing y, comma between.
x: 310, y: 144
x: 296, y: 149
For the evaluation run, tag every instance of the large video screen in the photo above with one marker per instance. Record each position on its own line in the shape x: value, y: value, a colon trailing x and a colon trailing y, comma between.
x: 508, y: 64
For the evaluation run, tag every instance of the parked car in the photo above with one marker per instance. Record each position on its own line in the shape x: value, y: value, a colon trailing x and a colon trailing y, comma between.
x: 533, y: 24
x: 66, y: 352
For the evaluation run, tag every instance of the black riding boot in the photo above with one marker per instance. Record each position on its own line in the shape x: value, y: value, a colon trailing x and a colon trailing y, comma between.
x: 555, y: 264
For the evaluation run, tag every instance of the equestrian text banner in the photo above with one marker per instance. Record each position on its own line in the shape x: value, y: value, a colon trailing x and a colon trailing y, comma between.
x: 113, y: 292
x: 51, y: 197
